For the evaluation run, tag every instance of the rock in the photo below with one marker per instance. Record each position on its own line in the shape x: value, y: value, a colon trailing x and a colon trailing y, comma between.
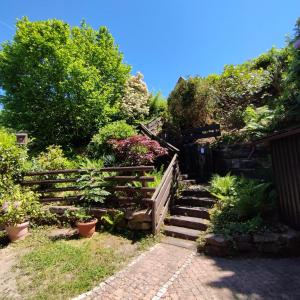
x: 216, y: 240
x: 271, y: 248
x: 62, y: 233
x: 266, y: 237
x: 216, y: 251
x: 244, y: 243
x: 60, y: 210
x: 140, y: 215
x: 98, y: 212
x: 139, y: 225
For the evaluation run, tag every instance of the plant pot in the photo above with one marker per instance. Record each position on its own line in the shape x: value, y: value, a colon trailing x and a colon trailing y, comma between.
x: 86, y: 229
x: 17, y: 232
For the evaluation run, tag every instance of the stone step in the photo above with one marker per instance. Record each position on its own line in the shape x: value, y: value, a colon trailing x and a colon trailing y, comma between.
x: 200, y: 192
x: 187, y: 244
x: 191, y: 211
x: 181, y: 232
x: 188, y: 222
x: 195, y: 201
x: 183, y: 176
x: 188, y: 181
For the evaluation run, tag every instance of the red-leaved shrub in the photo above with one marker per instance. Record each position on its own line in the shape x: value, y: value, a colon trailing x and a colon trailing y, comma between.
x: 137, y: 150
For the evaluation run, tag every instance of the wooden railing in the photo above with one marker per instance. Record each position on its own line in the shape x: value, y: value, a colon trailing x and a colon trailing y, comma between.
x: 165, y: 144
x: 164, y: 194
x: 45, y: 182
x: 155, y: 125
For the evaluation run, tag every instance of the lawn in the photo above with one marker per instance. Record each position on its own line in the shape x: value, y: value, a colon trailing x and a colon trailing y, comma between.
x: 40, y: 268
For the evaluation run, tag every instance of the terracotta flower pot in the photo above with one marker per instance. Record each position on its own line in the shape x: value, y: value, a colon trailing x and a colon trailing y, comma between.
x: 17, y: 232
x: 87, y: 229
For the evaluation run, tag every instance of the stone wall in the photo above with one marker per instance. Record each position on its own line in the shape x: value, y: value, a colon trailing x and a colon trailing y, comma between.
x: 285, y: 243
x: 134, y: 219
x: 244, y: 160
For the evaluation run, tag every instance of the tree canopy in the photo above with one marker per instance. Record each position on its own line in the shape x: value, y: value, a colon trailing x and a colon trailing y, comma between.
x: 61, y: 83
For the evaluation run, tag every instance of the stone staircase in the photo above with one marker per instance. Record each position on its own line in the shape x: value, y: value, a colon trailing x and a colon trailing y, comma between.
x: 189, y: 213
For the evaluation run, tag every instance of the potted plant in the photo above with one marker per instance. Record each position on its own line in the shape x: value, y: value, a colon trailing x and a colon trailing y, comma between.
x: 17, y: 206
x: 85, y: 223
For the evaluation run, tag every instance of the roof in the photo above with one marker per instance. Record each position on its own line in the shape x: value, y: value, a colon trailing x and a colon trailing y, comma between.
x: 278, y: 135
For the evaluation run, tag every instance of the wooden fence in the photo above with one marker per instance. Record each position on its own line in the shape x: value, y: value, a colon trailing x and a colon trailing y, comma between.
x: 164, y: 194
x: 46, y: 183
x: 155, y: 125
x: 158, y: 198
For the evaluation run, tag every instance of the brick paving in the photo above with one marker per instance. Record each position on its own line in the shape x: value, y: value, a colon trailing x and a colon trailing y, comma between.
x: 171, y: 272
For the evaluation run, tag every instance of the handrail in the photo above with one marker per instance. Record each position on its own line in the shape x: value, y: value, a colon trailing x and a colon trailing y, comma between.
x: 163, y: 194
x: 157, y: 138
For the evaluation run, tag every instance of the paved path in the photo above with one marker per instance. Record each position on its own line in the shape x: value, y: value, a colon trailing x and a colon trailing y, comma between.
x: 172, y: 272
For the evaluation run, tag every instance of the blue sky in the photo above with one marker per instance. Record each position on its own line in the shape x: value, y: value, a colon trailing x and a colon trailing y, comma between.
x: 165, y: 39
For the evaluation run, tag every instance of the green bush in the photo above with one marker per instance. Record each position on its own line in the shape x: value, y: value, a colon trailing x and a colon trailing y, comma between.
x: 243, y: 206
x: 52, y: 159
x: 191, y: 102
x: 12, y: 158
x: 259, y: 121
x: 158, y: 105
x: 18, y: 205
x: 114, y: 131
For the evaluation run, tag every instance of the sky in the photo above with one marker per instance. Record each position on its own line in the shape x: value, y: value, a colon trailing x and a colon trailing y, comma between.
x: 166, y: 39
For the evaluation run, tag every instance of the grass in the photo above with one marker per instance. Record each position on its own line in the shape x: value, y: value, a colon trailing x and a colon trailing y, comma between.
x: 65, y: 268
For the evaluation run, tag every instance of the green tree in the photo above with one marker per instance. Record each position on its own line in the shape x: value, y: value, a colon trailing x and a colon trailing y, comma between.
x: 191, y: 102
x: 61, y: 83
x: 291, y: 97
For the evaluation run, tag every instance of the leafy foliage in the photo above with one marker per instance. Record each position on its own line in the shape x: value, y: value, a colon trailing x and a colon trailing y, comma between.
x: 60, y: 83
x: 12, y: 158
x: 116, y: 130
x: 190, y: 103
x: 18, y: 205
x: 78, y: 215
x: 134, y: 104
x: 93, y: 187
x: 52, y: 159
x: 259, y: 120
x: 137, y: 150
x: 223, y: 98
x: 157, y: 105
x: 291, y: 96
x: 243, y: 204
x: 111, y: 221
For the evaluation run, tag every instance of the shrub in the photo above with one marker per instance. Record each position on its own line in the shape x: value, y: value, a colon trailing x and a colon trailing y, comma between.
x: 78, y: 215
x: 12, y: 158
x: 191, y: 103
x: 115, y: 130
x: 52, y: 159
x: 93, y: 187
x: 111, y: 221
x: 18, y: 205
x: 134, y: 104
x: 137, y: 150
x: 157, y: 105
x: 259, y: 120
x: 243, y: 205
